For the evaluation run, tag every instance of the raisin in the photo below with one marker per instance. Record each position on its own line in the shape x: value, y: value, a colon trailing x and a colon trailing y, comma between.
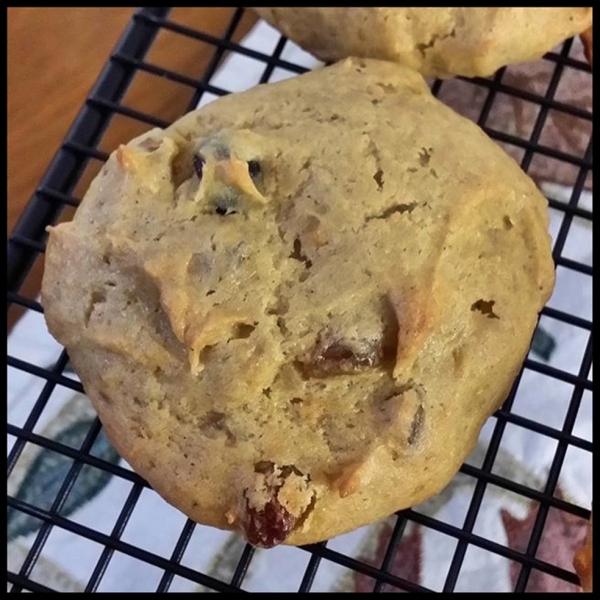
x: 254, y: 168
x: 223, y: 211
x: 269, y: 526
x: 225, y: 206
x: 214, y: 419
x: 337, y: 357
x: 199, y: 162
x: 214, y: 423
x: 266, y: 516
x: 297, y: 254
x: 264, y: 466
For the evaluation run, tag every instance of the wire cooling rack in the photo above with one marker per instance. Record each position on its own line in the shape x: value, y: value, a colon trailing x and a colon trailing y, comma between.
x: 57, y: 194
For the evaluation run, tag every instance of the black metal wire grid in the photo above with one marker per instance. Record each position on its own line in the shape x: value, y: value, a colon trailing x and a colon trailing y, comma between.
x: 56, y: 192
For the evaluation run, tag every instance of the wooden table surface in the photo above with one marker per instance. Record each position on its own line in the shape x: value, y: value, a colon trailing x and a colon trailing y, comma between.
x: 54, y: 57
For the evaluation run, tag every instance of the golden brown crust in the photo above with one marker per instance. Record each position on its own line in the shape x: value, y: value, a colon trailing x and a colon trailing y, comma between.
x: 583, y: 563
x: 280, y: 305
x: 588, y: 45
x: 438, y: 42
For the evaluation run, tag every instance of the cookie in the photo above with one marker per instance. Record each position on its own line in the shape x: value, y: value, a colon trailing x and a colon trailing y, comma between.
x: 295, y: 308
x: 438, y: 42
x: 583, y: 562
x: 587, y: 38
x: 517, y: 116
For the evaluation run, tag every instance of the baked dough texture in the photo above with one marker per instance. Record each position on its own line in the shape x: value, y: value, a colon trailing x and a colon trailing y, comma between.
x: 294, y: 308
x: 438, y: 42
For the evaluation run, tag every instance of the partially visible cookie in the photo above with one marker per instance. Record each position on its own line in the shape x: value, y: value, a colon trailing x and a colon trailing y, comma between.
x: 438, y: 42
x: 587, y: 38
x: 295, y: 308
x: 583, y: 562
x: 516, y: 115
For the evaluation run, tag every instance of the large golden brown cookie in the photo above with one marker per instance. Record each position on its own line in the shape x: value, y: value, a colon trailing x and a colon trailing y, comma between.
x: 294, y: 308
x: 439, y: 42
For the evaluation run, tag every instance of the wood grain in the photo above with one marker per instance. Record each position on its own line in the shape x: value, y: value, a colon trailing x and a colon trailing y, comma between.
x: 55, y: 56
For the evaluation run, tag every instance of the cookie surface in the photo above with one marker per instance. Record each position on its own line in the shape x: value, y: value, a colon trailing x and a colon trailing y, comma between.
x: 295, y: 308
x: 438, y: 42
